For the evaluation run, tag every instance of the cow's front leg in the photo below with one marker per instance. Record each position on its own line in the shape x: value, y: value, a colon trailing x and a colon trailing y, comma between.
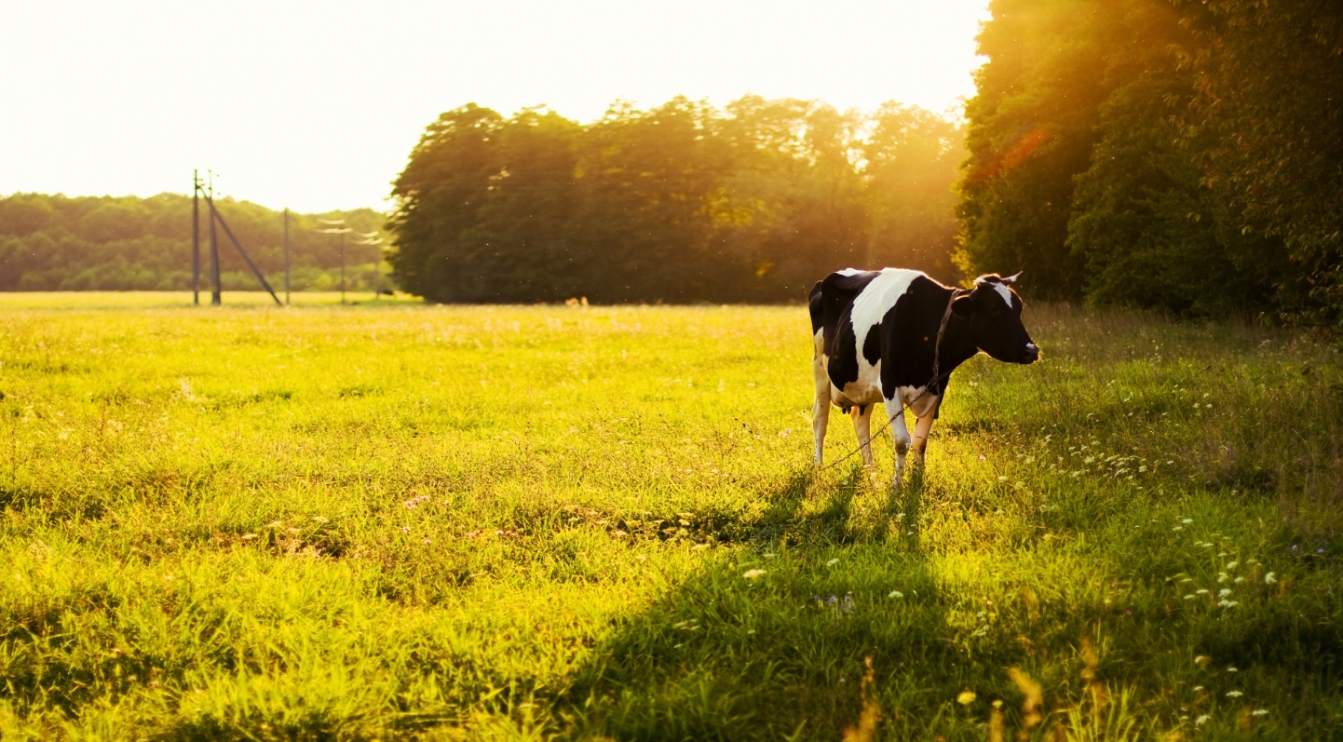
x: 862, y: 427
x: 922, y: 428
x: 896, y: 412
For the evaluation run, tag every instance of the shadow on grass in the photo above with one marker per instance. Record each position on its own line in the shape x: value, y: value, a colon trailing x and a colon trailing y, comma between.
x: 733, y: 653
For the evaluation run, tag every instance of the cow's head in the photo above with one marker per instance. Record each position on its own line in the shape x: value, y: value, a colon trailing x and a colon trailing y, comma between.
x: 994, y: 312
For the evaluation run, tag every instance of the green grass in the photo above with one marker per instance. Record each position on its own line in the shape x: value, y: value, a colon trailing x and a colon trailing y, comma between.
x: 399, y: 521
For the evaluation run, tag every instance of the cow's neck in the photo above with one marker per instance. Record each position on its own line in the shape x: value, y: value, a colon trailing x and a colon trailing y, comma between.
x: 958, y: 346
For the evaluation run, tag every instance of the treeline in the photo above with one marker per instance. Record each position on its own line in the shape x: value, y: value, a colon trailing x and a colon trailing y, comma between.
x: 55, y: 243
x: 1161, y: 153
x: 680, y: 203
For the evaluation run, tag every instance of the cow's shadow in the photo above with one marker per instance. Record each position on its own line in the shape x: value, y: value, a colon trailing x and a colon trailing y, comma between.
x: 772, y: 632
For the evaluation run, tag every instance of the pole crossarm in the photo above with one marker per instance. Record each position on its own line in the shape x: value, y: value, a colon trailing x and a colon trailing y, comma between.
x: 242, y: 252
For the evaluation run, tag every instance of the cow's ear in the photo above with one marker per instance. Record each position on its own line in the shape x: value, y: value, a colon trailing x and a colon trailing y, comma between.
x: 1012, y: 278
x: 963, y: 306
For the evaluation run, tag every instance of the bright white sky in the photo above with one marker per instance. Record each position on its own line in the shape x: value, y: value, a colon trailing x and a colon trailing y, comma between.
x: 316, y: 105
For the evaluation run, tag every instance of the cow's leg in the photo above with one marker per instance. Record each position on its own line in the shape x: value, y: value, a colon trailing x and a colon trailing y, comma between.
x: 896, y: 412
x: 820, y: 408
x: 922, y: 428
x: 862, y: 427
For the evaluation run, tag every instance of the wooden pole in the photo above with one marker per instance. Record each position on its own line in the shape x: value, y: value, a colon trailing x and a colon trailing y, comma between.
x: 241, y: 252
x: 216, y: 297
x: 286, y: 257
x: 195, y: 238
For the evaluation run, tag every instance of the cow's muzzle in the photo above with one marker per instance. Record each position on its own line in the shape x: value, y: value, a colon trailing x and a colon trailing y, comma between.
x: 1031, y: 354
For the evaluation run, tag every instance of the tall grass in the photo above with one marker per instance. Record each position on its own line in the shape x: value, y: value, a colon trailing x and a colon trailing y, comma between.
x: 536, y: 522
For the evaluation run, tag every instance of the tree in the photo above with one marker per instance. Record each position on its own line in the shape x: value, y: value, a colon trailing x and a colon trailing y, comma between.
x: 1031, y: 129
x: 912, y: 158
x: 440, y: 193
x: 1267, y: 78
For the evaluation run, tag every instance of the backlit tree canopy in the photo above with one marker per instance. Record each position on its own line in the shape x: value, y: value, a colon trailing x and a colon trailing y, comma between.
x: 679, y: 203
x: 1165, y: 153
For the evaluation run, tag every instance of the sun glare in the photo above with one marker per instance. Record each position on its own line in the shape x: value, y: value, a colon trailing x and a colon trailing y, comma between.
x: 317, y: 105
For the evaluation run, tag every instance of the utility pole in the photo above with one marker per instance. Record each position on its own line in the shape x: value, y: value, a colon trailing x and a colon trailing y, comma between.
x: 372, y: 239
x: 207, y: 189
x: 286, y: 257
x: 215, y: 298
x: 337, y: 226
x: 195, y: 238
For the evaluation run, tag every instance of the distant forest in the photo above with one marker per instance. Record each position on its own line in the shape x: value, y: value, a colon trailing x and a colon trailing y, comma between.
x: 55, y: 243
x: 679, y: 203
x: 1169, y: 154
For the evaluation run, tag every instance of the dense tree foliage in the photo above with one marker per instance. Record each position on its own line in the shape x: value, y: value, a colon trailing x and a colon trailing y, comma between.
x: 679, y: 203
x: 51, y: 243
x: 1163, y: 153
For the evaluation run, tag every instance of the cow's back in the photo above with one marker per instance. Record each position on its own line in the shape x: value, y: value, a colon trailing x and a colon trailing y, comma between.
x: 850, y: 306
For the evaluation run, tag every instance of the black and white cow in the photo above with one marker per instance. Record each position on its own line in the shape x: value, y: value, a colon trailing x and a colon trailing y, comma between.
x: 875, y: 335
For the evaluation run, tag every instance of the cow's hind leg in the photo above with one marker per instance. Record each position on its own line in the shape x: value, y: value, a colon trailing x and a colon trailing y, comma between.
x: 862, y: 427
x: 820, y: 408
x: 896, y: 412
x: 922, y: 428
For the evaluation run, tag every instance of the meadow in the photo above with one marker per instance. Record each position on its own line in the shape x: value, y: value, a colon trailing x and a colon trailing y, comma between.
x: 399, y: 521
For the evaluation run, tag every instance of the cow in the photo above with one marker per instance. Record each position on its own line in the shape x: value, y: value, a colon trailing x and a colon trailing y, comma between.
x: 879, y: 334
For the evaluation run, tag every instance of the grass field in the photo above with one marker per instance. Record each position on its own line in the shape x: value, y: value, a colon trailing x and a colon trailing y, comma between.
x: 397, y: 521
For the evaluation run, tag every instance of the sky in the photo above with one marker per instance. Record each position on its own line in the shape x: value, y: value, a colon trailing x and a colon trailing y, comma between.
x: 316, y: 106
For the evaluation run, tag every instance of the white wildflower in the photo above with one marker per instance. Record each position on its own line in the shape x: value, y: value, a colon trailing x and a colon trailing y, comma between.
x: 751, y: 574
x: 1270, y: 578
x: 895, y: 594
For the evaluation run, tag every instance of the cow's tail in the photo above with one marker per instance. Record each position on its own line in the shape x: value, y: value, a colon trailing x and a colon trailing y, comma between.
x: 816, y: 307
x: 820, y: 408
